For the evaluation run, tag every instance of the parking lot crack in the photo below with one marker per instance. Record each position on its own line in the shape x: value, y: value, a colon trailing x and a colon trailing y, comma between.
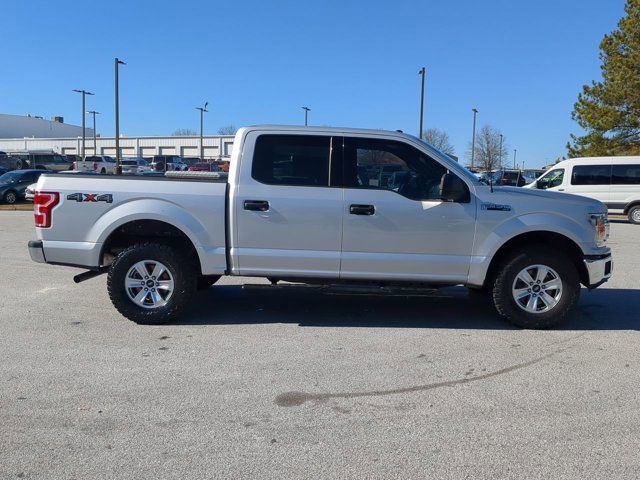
x: 295, y: 399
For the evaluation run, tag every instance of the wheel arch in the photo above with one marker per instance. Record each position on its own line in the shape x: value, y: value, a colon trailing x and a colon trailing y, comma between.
x: 134, y: 231
x: 630, y: 205
x: 554, y: 240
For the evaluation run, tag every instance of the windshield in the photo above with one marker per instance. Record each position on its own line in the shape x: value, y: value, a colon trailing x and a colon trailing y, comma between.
x: 10, y: 177
x: 470, y: 175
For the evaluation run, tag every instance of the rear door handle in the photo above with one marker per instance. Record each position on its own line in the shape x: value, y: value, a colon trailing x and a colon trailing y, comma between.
x: 362, y: 209
x: 256, y: 205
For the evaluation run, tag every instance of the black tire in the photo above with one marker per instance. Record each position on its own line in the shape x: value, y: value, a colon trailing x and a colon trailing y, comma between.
x: 20, y: 164
x: 10, y: 197
x: 182, y: 269
x: 206, y: 281
x: 103, y: 171
x: 503, y: 297
x: 634, y: 215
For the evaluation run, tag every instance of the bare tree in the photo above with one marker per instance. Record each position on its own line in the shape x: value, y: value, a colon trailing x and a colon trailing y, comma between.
x: 184, y: 132
x: 438, y: 139
x: 488, y: 154
x: 227, y: 130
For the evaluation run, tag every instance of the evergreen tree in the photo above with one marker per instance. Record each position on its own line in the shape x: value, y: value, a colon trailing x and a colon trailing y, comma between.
x: 609, y: 110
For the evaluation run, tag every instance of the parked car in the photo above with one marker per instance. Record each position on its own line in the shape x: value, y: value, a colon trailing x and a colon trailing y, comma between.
x: 135, y: 166
x: 293, y: 208
x: 204, y: 167
x: 165, y: 163
x: 36, y: 160
x: 30, y: 192
x: 14, y: 184
x: 615, y: 181
x: 103, y: 164
x: 512, y: 178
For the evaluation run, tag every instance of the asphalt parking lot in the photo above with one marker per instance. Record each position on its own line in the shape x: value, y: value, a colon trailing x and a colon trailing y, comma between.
x: 297, y: 384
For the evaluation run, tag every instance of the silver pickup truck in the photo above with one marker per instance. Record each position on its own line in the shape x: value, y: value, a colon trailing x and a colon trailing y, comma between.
x: 326, y: 206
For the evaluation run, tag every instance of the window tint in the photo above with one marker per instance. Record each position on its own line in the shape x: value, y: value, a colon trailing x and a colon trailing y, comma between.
x: 391, y: 165
x: 625, y: 175
x: 591, y: 175
x: 301, y: 160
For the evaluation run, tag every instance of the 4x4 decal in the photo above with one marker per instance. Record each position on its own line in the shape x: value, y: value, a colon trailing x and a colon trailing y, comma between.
x: 90, y: 197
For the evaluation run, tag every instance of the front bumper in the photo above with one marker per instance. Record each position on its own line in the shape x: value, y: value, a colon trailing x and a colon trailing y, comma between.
x: 36, y: 251
x: 599, y: 269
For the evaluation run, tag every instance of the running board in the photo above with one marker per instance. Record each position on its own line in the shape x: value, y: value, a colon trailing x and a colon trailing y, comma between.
x: 339, y: 289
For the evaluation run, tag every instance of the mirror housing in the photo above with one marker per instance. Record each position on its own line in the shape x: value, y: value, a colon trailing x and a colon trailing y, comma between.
x: 453, y: 189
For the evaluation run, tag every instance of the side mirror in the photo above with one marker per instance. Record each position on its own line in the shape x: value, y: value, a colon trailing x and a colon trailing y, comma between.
x: 453, y: 189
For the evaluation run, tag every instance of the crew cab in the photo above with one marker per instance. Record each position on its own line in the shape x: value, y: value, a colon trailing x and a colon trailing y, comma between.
x: 330, y: 206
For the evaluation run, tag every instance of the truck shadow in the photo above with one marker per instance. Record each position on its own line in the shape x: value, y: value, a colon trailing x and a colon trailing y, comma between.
x: 602, y: 309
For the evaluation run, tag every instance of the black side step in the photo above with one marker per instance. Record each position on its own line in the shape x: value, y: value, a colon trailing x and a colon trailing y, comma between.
x: 81, y: 277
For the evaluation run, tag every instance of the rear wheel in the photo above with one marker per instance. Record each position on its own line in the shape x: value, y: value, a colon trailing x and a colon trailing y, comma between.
x: 10, y: 197
x: 103, y: 171
x: 151, y: 283
x: 634, y: 215
x: 536, y: 288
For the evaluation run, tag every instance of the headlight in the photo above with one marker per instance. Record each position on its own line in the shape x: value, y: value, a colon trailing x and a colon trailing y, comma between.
x: 600, y: 222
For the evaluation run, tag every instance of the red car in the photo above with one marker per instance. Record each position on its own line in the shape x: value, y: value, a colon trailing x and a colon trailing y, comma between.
x: 203, y: 167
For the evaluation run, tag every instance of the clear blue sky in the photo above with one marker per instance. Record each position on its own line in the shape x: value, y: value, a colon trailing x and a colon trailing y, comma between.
x: 521, y: 63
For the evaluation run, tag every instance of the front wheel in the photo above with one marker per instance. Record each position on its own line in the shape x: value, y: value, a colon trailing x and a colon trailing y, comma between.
x: 151, y: 283
x: 634, y: 215
x: 10, y: 197
x: 536, y: 288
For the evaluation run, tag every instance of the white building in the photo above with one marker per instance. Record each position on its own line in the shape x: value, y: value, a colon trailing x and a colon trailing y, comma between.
x: 215, y: 147
x: 18, y: 126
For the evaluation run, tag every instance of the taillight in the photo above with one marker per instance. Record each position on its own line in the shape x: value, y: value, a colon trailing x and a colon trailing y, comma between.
x: 43, y: 203
x: 95, y: 166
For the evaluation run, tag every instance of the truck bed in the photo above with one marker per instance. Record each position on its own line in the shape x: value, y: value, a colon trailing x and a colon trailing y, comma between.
x: 91, y: 207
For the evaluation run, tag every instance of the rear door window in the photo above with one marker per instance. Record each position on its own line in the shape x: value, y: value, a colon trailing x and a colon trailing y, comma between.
x: 625, y: 175
x: 591, y: 175
x: 294, y: 160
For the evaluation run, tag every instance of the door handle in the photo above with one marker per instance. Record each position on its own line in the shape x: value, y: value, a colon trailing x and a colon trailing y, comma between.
x: 362, y: 209
x: 256, y: 205
x: 561, y: 189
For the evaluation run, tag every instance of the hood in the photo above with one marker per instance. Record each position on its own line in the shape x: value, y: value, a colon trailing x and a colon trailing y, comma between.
x: 532, y: 199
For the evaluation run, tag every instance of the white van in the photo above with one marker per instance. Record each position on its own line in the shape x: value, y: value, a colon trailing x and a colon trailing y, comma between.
x: 615, y: 181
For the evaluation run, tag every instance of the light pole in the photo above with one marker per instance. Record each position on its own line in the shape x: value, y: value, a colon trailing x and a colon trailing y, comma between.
x: 514, y: 157
x: 117, y: 63
x: 84, y: 94
x: 202, y: 110
x: 306, y: 115
x: 93, y: 114
x: 422, y: 73
x: 473, y: 137
x: 501, y: 140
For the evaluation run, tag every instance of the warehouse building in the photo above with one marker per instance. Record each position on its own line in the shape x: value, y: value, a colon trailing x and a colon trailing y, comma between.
x: 18, y: 126
x: 215, y: 147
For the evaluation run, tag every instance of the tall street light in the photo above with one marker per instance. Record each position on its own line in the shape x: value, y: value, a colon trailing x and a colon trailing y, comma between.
x: 501, y: 140
x: 84, y: 94
x: 514, y: 157
x: 117, y: 63
x: 202, y: 111
x: 306, y: 115
x: 422, y: 73
x: 473, y: 137
x: 93, y: 114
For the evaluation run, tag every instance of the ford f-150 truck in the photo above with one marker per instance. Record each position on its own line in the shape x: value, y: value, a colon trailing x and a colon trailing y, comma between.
x: 329, y: 206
